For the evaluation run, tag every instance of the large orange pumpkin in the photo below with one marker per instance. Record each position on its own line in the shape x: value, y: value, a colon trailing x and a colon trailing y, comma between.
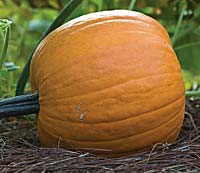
x: 109, y: 83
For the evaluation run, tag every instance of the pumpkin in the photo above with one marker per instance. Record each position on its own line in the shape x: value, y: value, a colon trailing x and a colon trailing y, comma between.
x: 109, y: 83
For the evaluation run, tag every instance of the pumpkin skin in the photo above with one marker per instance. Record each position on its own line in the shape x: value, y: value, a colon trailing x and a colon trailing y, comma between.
x: 109, y: 83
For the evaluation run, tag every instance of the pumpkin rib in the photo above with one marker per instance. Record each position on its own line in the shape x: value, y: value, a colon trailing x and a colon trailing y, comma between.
x: 119, y: 113
x: 49, y: 90
x: 125, y: 137
x: 63, y: 70
x: 115, y: 84
x: 171, y: 137
x: 113, y: 142
x: 160, y: 40
x: 107, y: 15
x: 135, y: 22
x: 149, y: 111
x: 139, y: 32
x: 146, y: 92
x: 105, y: 88
x: 112, y: 133
x: 118, y: 121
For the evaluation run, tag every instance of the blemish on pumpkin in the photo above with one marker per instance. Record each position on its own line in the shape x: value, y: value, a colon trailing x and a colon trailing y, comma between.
x: 82, y: 116
x: 78, y: 108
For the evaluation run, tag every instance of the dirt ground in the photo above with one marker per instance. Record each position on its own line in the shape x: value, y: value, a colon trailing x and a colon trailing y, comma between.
x: 20, y: 151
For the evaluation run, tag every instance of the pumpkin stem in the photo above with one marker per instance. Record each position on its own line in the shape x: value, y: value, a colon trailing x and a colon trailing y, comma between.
x: 19, y: 105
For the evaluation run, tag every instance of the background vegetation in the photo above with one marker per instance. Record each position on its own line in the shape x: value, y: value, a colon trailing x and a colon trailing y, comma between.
x: 30, y: 18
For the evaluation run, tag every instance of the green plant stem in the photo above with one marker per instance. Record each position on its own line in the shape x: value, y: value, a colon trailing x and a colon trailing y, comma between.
x: 183, y: 46
x: 192, y: 93
x: 67, y: 10
x: 178, y: 25
x: 185, y: 32
x: 132, y: 4
x: 5, y: 47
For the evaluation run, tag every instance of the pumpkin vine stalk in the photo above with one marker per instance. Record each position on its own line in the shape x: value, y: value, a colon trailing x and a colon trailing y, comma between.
x: 19, y: 105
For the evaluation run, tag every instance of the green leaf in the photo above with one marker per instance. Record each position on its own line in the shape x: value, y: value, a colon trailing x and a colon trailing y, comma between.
x: 99, y: 4
x: 197, y: 31
x: 132, y: 4
x: 179, y: 23
x: 187, y: 51
x: 188, y: 79
x: 5, y: 47
x: 197, y: 11
x: 148, y: 10
x: 67, y: 10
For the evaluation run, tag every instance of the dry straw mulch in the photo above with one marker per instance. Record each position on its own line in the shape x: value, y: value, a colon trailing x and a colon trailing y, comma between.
x: 20, y: 152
